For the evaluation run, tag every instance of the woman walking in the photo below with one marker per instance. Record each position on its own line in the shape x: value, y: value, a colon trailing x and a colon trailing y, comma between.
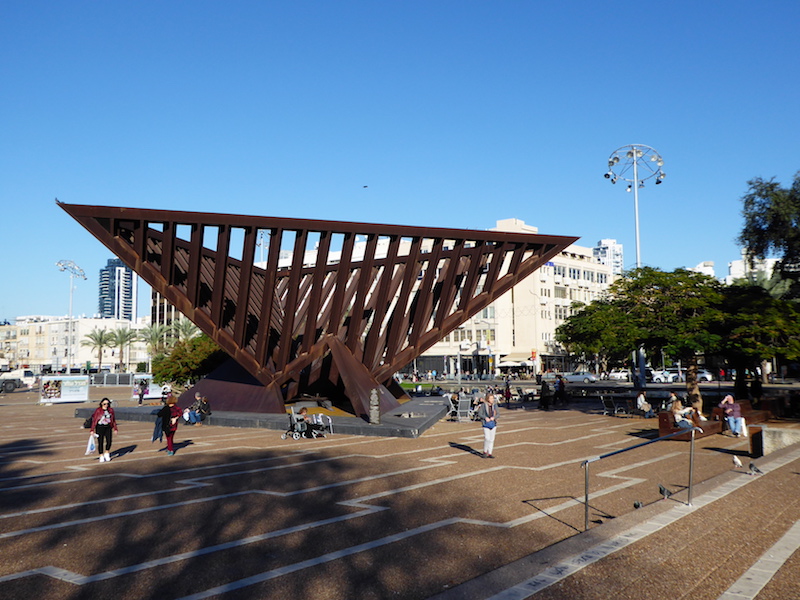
x: 103, y: 422
x: 487, y: 413
x: 170, y: 414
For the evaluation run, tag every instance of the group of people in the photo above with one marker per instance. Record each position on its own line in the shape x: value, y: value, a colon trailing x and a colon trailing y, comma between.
x: 685, y: 417
x: 104, y: 422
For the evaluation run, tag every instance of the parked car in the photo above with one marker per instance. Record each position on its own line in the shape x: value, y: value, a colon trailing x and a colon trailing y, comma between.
x: 580, y: 377
x: 678, y: 376
x: 662, y: 376
x: 619, y: 375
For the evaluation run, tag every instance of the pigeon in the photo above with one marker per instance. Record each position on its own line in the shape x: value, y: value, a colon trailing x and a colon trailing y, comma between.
x: 637, y: 504
x: 736, y: 462
x: 664, y: 491
x: 754, y: 470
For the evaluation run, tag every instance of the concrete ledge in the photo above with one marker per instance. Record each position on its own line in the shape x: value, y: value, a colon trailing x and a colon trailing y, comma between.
x: 776, y: 438
x: 410, y: 420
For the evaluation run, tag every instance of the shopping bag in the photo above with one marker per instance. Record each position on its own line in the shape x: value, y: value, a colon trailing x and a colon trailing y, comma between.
x: 744, y: 427
x: 91, y: 445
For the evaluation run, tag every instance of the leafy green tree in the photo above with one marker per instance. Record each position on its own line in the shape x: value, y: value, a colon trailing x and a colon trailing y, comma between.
x: 123, y: 338
x: 99, y: 340
x: 772, y: 226
x: 598, y: 329
x: 674, y: 311
x: 757, y: 327
x: 188, y: 361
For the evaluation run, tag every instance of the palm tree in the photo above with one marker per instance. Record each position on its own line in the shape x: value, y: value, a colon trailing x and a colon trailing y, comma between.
x: 158, y: 340
x: 184, y: 329
x: 123, y: 338
x: 99, y: 339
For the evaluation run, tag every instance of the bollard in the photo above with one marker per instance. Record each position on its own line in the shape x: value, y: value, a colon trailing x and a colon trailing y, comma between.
x: 374, y: 407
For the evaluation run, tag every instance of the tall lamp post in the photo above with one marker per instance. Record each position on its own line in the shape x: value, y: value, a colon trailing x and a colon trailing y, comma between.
x: 74, y: 271
x: 635, y: 164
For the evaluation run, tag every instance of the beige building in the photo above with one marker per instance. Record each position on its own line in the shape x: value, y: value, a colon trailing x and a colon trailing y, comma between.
x: 43, y: 343
x: 517, y: 331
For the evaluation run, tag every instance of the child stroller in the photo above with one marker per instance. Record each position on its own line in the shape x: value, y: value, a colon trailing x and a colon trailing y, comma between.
x: 299, y: 427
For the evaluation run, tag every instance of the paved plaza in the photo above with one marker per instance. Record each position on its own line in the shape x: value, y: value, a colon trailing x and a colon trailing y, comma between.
x: 241, y: 513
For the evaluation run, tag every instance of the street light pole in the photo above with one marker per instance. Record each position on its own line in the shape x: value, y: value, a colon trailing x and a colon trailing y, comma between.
x: 625, y: 164
x: 74, y: 271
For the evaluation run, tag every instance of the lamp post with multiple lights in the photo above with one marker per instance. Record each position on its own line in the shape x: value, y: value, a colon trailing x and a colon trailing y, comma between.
x: 635, y: 164
x: 74, y: 271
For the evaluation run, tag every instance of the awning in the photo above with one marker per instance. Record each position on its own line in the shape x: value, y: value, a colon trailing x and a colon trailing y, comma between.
x: 516, y: 356
x: 509, y: 363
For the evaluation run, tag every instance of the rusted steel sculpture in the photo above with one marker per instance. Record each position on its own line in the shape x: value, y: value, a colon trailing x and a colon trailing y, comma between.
x: 332, y: 306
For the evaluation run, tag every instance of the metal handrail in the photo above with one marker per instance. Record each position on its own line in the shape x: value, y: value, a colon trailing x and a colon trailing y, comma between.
x: 585, y: 465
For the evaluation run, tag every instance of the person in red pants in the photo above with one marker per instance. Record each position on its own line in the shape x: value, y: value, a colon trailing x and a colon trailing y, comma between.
x: 169, y: 421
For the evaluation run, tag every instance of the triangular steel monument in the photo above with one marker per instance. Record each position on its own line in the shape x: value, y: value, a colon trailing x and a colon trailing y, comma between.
x: 330, y: 308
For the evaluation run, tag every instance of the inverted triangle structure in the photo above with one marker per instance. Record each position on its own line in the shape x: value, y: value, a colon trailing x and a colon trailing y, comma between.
x: 306, y: 305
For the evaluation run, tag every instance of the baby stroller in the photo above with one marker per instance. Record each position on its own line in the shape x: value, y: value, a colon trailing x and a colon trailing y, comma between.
x: 299, y: 427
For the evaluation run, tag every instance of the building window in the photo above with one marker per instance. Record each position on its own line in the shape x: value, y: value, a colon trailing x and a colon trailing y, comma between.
x: 574, y: 273
x: 559, y: 292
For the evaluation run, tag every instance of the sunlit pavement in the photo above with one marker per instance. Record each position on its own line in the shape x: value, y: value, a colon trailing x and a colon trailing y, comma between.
x: 240, y: 513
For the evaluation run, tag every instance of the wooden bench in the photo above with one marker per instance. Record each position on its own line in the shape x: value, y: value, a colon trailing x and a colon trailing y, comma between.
x: 750, y: 415
x: 666, y: 425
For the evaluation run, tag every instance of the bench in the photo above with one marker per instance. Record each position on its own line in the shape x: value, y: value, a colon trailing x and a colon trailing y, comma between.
x: 666, y: 425
x: 750, y: 415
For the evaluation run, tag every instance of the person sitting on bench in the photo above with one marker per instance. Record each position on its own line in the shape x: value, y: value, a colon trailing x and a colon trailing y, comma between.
x: 733, y: 414
x: 685, y: 417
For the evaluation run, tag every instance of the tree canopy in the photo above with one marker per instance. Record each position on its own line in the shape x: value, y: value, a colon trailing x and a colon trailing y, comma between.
x: 657, y: 310
x: 188, y: 361
x: 772, y: 226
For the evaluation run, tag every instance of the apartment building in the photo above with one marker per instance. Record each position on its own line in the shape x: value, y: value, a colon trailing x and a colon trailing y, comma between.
x: 517, y: 331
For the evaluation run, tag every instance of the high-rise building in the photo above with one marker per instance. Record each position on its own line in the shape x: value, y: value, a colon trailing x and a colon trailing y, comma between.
x: 118, y: 291
x: 609, y: 252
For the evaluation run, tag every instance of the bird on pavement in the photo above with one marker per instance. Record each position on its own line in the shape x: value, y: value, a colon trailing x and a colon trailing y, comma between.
x: 736, y: 462
x: 664, y: 491
x: 754, y: 470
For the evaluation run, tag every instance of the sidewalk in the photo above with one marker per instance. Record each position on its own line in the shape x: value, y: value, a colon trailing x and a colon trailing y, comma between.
x: 239, y: 513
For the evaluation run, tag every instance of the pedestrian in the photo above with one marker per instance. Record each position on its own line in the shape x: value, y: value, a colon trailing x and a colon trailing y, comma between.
x: 103, y: 423
x: 142, y: 390
x: 487, y: 414
x: 545, y: 396
x: 560, y: 396
x: 170, y: 414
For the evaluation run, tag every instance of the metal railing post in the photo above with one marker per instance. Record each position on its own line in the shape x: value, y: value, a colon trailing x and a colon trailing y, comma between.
x: 691, y: 467
x: 586, y: 497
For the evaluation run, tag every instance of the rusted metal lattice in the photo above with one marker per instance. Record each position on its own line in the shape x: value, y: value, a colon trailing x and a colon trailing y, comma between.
x: 330, y: 305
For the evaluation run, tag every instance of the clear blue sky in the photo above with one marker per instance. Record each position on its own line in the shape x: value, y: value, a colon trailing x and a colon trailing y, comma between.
x: 454, y: 113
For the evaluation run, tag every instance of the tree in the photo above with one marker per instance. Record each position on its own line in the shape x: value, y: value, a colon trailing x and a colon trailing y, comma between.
x: 674, y: 311
x: 157, y: 339
x: 123, y: 338
x: 184, y: 329
x: 755, y: 328
x: 188, y: 361
x: 99, y: 339
x: 772, y: 226
x: 597, y: 329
